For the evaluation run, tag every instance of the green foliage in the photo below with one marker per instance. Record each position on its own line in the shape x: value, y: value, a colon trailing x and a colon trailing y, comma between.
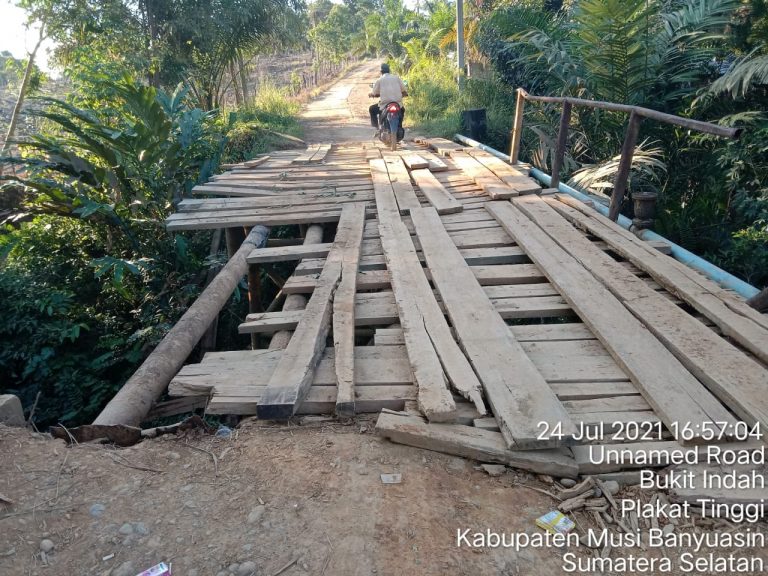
x: 93, y: 277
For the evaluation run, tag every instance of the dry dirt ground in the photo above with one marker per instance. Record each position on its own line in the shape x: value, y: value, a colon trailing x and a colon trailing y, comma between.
x: 309, y: 493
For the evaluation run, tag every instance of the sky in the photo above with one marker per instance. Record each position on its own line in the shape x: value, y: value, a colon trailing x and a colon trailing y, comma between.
x: 16, y: 38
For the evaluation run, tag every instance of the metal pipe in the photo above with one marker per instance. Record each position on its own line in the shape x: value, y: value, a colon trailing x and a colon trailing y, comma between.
x: 725, y: 279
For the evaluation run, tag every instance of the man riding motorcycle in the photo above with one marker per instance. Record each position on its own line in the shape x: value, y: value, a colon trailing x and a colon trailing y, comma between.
x: 388, y: 88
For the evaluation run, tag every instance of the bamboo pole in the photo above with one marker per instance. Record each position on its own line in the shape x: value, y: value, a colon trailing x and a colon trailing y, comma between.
x: 137, y: 396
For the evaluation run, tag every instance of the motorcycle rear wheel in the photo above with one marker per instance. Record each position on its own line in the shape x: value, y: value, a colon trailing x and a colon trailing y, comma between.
x: 393, y: 141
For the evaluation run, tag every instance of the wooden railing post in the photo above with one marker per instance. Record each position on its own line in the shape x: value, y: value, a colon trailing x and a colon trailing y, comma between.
x: 517, y: 128
x: 627, y: 152
x: 562, y: 139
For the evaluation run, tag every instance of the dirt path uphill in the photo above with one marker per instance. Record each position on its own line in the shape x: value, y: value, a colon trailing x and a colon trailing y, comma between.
x: 340, y: 114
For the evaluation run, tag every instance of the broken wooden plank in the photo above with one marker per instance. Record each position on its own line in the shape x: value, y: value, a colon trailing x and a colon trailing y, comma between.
x: 472, y: 442
x: 431, y: 348
x: 293, y: 376
x: 434, y: 191
x: 676, y: 396
x: 519, y: 396
x: 344, y: 310
x: 306, y: 157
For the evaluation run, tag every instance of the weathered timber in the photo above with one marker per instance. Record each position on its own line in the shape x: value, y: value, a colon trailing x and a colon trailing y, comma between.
x: 676, y: 396
x: 135, y: 399
x: 435, y: 192
x: 517, y: 392
x: 472, y: 442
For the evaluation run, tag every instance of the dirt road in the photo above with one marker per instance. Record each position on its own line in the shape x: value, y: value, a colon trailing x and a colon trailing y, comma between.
x: 271, y: 495
x: 340, y: 114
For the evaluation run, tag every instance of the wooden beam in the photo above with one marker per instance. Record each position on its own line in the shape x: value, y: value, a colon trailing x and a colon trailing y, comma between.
x: 676, y: 396
x: 286, y: 253
x: 433, y: 352
x: 293, y: 376
x: 730, y: 374
x: 435, y: 192
x: 472, y: 442
x: 517, y: 392
x: 344, y: 311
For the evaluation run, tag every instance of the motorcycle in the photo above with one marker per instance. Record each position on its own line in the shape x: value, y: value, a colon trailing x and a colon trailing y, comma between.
x: 390, y: 129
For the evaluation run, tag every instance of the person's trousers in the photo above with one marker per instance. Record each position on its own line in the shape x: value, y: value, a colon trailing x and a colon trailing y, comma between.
x: 375, y: 112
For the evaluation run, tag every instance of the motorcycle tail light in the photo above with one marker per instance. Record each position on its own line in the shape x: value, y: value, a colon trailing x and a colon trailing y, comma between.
x: 393, y: 108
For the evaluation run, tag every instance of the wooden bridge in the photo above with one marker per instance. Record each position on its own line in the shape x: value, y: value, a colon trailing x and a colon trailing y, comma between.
x: 482, y: 315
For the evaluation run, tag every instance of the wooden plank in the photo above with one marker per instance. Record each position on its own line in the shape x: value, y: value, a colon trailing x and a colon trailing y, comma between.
x: 219, y: 219
x: 294, y: 201
x: 322, y: 400
x: 507, y: 173
x: 400, y: 182
x: 523, y: 333
x: 731, y: 375
x: 293, y: 376
x: 434, y: 191
x: 306, y: 157
x: 434, y: 354
x: 344, y: 309
x: 472, y: 442
x: 675, y: 395
x: 484, y: 178
x: 285, y: 253
x: 415, y: 162
x: 516, y: 390
x: 436, y: 163
x: 442, y: 146
x: 733, y: 316
x: 321, y: 154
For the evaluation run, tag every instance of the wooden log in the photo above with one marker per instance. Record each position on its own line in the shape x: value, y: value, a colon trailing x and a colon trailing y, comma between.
x: 517, y: 392
x: 472, y: 442
x: 293, y: 302
x: 137, y: 396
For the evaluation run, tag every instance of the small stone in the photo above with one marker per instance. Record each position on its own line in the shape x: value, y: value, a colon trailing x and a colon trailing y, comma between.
x: 247, y: 547
x: 141, y: 529
x: 546, y: 479
x: 187, y: 487
x: 247, y: 569
x: 11, y: 412
x: 173, y: 455
x: 233, y: 568
x: 126, y: 529
x: 567, y: 482
x: 457, y: 464
x: 125, y: 569
x: 256, y: 514
x: 494, y: 469
x: 97, y: 509
x: 598, y: 493
x: 611, y: 486
x: 47, y: 546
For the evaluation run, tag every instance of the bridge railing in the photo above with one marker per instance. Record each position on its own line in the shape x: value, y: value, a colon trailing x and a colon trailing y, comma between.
x: 636, y: 116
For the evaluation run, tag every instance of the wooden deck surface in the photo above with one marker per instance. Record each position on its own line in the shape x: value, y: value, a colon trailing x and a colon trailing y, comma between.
x: 484, y: 313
